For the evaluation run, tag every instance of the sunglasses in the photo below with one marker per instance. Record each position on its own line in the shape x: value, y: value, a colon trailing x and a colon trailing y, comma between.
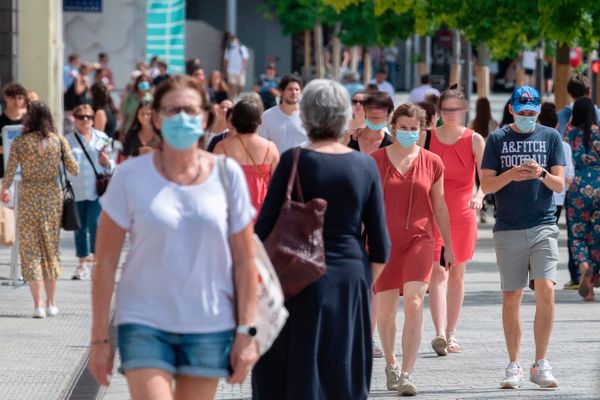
x: 355, y: 102
x: 535, y: 101
x: 83, y: 117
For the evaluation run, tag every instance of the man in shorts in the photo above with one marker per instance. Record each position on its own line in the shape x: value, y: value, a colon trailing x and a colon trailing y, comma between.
x: 523, y: 165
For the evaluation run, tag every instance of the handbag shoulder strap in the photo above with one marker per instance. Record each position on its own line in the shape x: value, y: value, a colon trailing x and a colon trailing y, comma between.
x: 62, y: 175
x: 86, y: 153
x: 221, y: 165
x: 294, y: 177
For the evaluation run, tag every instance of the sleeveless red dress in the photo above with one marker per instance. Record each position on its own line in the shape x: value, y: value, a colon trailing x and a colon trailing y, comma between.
x: 459, y: 180
x: 258, y: 177
x: 409, y: 216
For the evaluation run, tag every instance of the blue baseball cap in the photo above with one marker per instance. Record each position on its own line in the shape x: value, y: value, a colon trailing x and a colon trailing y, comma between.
x: 526, y: 98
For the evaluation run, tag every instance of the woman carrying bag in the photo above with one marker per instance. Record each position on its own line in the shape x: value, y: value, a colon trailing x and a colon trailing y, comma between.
x: 38, y: 150
x: 88, y: 145
x: 324, y: 350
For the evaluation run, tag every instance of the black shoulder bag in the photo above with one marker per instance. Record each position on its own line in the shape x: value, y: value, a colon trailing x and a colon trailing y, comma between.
x: 70, y: 216
x: 101, y: 179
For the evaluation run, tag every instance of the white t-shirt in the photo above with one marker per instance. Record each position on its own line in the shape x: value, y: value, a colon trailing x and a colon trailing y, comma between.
x: 235, y: 56
x: 385, y: 87
x: 529, y: 59
x: 177, y: 275
x: 559, y: 198
x: 286, y: 131
x: 419, y: 93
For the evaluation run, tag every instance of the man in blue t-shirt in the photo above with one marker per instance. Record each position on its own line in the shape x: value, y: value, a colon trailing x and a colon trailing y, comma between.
x: 523, y: 165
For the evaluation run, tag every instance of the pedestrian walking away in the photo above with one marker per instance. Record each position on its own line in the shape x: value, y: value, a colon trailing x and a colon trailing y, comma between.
x: 413, y: 186
x: 584, y: 195
x: 282, y: 124
x: 191, y: 242
x: 324, y: 349
x: 87, y: 144
x: 257, y: 156
x: 523, y: 164
x: 38, y: 151
x: 460, y: 149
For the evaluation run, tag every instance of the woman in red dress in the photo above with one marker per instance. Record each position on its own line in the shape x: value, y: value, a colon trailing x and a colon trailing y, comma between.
x: 461, y: 151
x: 257, y: 156
x: 413, y: 188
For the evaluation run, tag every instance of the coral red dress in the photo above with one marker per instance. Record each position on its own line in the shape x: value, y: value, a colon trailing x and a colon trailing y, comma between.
x: 409, y: 216
x: 459, y: 180
x: 258, y: 177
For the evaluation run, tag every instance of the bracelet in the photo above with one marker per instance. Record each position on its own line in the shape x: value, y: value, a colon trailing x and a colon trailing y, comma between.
x: 100, y: 341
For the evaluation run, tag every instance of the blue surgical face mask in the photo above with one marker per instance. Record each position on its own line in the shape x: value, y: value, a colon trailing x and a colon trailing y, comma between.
x: 375, y: 127
x: 407, y: 138
x: 525, y: 124
x: 143, y: 85
x: 182, y: 130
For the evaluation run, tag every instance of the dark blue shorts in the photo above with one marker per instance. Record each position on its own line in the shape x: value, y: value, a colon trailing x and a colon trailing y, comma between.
x: 199, y: 355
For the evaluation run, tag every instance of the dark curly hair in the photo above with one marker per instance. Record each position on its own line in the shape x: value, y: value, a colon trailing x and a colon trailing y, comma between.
x: 38, y: 119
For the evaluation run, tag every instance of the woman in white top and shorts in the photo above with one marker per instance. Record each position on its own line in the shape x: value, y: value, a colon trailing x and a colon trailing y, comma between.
x: 191, y: 255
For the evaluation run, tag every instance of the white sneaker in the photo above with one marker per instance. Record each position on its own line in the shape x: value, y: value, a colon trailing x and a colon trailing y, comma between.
x: 81, y: 272
x: 541, y: 374
x: 392, y: 376
x: 39, y: 313
x: 52, y: 311
x: 514, y: 376
x: 405, y: 385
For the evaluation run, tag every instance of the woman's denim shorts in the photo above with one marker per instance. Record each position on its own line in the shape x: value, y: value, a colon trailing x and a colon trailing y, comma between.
x: 199, y: 355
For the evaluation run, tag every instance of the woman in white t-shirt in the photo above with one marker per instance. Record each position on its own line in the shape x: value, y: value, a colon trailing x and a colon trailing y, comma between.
x: 191, y: 255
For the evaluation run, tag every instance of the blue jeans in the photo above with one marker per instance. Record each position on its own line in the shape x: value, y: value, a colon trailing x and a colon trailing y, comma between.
x: 85, y: 237
x: 192, y: 354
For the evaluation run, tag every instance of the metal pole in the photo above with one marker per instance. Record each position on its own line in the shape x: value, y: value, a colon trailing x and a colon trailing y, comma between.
x: 231, y: 16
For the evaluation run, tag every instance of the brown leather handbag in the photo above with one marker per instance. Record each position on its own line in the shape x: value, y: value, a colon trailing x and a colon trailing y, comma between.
x: 295, y: 245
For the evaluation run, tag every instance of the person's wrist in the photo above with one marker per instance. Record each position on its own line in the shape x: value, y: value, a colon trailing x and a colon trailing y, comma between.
x: 543, y: 174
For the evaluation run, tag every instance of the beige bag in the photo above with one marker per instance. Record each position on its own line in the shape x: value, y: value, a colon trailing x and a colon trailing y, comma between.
x: 7, y: 226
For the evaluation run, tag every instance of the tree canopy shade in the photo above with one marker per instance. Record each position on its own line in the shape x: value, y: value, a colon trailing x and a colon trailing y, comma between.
x: 507, y: 26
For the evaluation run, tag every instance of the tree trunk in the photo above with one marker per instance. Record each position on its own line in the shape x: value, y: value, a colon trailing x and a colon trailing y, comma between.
x: 455, y: 70
x: 422, y: 68
x: 483, y: 70
x: 539, y: 69
x: 337, y: 50
x: 307, y: 60
x: 320, y: 68
x: 563, y: 71
x: 354, y: 58
x: 597, y: 86
x: 367, y: 64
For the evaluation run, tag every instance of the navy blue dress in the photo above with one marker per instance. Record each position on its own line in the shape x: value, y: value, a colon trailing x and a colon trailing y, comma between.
x: 324, y: 351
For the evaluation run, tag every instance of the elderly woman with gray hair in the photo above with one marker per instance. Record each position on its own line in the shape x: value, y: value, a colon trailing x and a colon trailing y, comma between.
x: 324, y: 351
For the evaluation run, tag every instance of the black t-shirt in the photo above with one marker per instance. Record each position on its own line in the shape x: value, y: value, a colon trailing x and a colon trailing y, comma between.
x: 5, y: 121
x: 156, y: 81
x: 386, y: 141
x: 131, y: 147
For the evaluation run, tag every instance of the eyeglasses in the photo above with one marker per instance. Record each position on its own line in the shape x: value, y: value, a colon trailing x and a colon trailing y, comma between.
x: 189, y: 110
x: 355, y: 102
x: 83, y: 117
x: 535, y: 101
x: 452, y: 110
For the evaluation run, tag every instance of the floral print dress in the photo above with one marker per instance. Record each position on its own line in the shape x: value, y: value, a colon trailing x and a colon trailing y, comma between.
x: 40, y: 201
x: 583, y: 201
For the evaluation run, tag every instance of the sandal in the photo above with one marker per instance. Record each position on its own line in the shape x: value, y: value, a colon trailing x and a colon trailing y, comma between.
x: 585, y: 286
x: 453, y: 346
x: 440, y: 346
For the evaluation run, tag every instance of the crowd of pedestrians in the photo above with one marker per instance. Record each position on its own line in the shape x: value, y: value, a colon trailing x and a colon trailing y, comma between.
x: 197, y: 166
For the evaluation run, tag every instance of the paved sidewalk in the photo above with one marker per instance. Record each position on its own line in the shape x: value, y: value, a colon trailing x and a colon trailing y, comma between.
x: 41, y: 359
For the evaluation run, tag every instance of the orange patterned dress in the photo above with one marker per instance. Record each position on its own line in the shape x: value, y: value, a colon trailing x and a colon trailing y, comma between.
x: 40, y: 201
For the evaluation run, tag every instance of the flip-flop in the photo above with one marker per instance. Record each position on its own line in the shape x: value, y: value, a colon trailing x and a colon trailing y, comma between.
x: 585, y: 286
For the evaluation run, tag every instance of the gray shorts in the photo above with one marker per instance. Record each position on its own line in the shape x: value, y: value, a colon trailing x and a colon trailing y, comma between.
x: 526, y: 254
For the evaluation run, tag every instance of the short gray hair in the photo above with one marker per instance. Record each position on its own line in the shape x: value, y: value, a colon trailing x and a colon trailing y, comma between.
x: 325, y: 109
x: 252, y: 97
